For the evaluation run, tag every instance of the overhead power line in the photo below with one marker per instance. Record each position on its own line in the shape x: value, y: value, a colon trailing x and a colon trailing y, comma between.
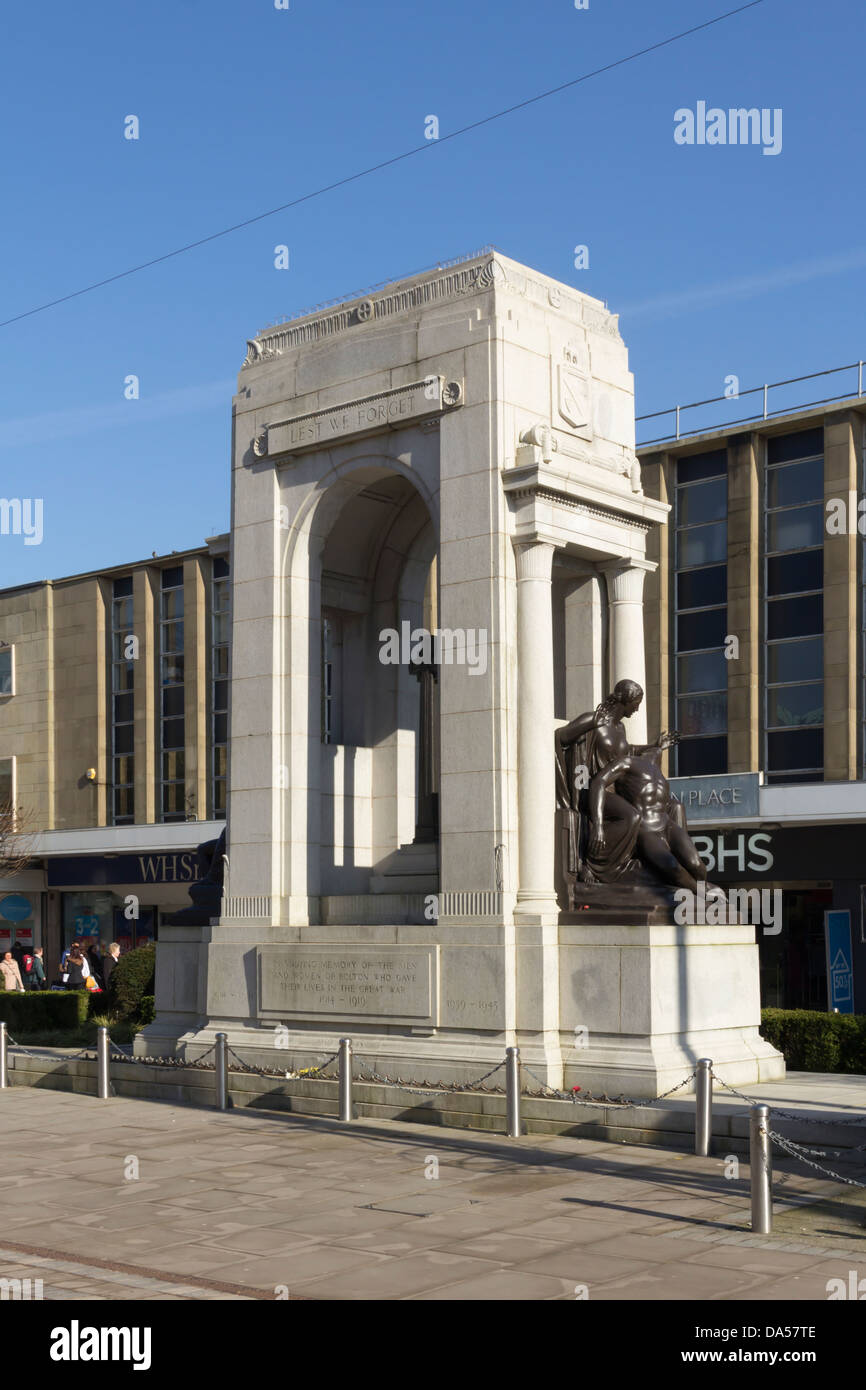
x: 383, y: 164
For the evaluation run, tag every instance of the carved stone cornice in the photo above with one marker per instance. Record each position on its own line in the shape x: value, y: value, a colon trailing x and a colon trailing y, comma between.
x: 432, y: 288
x: 573, y: 493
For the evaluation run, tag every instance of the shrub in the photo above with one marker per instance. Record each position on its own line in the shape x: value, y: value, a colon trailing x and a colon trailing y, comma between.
x: 147, y: 1010
x: 47, y: 1009
x: 813, y: 1041
x: 131, y: 979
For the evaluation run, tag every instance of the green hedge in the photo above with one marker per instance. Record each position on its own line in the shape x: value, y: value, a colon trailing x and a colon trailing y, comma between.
x: 813, y: 1041
x: 147, y: 1009
x: 47, y: 1009
x: 131, y: 979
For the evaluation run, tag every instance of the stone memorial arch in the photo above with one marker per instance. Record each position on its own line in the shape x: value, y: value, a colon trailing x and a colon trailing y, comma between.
x: 453, y: 453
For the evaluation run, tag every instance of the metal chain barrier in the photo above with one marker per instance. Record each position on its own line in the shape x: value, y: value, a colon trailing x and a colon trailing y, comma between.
x: 796, y: 1151
x: 604, y: 1100
x: 441, y: 1087
x: 789, y: 1114
x: 307, y: 1073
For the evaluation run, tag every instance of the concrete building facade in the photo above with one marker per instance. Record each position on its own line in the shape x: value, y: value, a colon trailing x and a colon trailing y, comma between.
x: 113, y: 743
x: 755, y: 652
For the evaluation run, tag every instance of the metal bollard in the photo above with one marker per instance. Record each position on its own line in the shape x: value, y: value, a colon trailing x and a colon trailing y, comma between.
x: 221, y: 1071
x: 704, y: 1107
x: 4, y: 1056
x: 512, y: 1092
x: 761, y: 1170
x: 347, y: 1110
x: 103, y: 1085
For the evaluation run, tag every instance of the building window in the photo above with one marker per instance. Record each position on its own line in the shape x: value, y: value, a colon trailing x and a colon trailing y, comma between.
x: 7, y: 784
x: 701, y: 614
x: 794, y: 607
x: 122, y: 704
x: 171, y: 680
x: 221, y: 618
x: 7, y: 669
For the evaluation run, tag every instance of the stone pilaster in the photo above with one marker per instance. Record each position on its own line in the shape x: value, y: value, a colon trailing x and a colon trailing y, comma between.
x: 536, y: 794
x: 841, y: 437
x: 656, y: 476
x: 744, y: 603
x: 196, y: 702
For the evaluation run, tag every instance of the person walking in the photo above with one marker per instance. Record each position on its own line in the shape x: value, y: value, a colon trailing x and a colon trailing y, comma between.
x: 37, y: 970
x: 77, y: 969
x: 11, y: 973
x: 110, y: 962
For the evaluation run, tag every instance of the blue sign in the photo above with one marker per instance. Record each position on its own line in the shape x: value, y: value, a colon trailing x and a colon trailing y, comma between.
x: 840, y: 961
x: 16, y: 908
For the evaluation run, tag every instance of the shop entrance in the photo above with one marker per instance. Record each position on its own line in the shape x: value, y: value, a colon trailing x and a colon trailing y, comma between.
x: 794, y: 963
x: 140, y: 931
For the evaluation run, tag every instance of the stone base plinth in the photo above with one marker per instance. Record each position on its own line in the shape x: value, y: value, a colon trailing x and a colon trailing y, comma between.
x: 614, y: 1009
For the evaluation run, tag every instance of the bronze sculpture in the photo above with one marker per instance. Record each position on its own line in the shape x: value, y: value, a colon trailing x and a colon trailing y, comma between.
x: 620, y: 825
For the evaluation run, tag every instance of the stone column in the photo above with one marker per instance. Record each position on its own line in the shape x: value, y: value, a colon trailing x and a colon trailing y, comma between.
x: 627, y: 656
x: 536, y: 794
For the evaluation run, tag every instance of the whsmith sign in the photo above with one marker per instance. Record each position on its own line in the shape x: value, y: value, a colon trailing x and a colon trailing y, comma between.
x: 182, y: 867
x: 713, y: 798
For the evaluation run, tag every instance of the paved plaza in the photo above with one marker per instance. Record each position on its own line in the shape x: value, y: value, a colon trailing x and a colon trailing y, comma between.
x: 265, y: 1206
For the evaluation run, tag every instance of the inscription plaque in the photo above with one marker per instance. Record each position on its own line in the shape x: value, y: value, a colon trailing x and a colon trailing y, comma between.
x: 382, y: 984
x: 386, y: 410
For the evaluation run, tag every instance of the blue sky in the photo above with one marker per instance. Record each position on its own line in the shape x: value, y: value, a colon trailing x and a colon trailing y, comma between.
x: 720, y: 260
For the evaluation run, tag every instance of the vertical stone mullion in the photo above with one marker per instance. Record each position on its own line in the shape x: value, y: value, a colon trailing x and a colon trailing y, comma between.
x: 840, y: 602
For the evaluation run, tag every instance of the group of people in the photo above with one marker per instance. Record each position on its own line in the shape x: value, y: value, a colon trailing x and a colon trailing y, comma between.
x: 81, y: 967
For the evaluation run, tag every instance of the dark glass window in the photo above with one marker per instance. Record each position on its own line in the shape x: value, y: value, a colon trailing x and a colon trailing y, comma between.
x: 796, y: 484
x: 795, y: 617
x: 792, y: 705
x: 795, y: 574
x: 697, y: 466
x: 171, y: 676
x: 794, y: 749
x: 794, y: 686
x: 795, y: 529
x: 702, y: 588
x: 702, y: 671
x: 704, y: 545
x: 704, y: 629
x: 795, y: 661
x: 802, y: 445
x: 700, y: 626
x: 702, y: 714
x: 703, y: 502
x: 701, y: 757
x: 123, y: 709
x: 122, y: 706
x: 172, y: 701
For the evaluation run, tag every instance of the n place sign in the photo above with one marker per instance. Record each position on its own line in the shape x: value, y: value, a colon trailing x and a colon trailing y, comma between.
x: 714, y: 798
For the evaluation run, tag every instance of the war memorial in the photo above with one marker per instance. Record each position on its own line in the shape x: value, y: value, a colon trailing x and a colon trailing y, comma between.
x: 439, y: 536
